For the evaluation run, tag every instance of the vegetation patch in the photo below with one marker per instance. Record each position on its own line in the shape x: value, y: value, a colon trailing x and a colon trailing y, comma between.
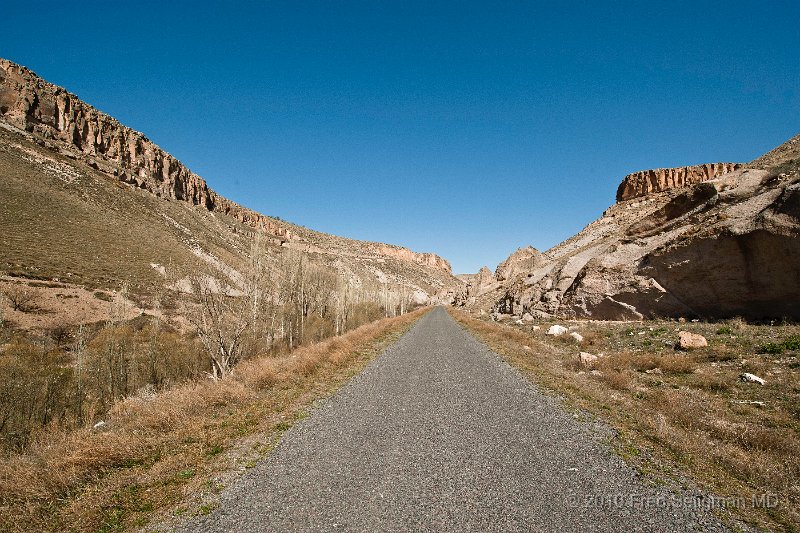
x: 684, y: 413
x: 154, y: 449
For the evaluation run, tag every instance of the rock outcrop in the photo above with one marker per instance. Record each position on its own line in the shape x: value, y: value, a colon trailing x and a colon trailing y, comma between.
x: 726, y: 246
x: 522, y: 260
x: 646, y: 182
x: 60, y: 121
x: 404, y: 254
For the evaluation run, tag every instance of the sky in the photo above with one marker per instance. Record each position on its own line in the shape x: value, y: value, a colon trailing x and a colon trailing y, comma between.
x: 467, y: 129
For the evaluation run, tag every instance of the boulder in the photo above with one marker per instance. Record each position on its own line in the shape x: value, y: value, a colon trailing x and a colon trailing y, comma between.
x: 556, y: 330
x: 587, y: 359
x: 577, y: 336
x: 691, y: 341
x: 751, y: 378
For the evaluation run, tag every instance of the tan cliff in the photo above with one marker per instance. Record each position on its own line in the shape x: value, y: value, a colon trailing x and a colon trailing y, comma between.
x: 59, y: 121
x: 646, y: 182
x: 725, y: 246
x: 420, y: 258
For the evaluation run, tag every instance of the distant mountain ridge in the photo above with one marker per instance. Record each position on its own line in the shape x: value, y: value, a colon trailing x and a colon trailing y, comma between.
x: 60, y: 121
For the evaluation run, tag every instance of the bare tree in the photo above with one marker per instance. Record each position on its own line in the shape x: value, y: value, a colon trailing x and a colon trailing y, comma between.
x: 22, y: 298
x: 221, y: 319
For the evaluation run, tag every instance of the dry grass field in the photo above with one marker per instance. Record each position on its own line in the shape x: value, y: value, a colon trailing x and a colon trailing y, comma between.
x: 681, y: 414
x: 167, y: 454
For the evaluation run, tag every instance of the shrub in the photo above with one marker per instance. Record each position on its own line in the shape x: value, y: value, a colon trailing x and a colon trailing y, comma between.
x: 22, y: 298
x: 792, y: 343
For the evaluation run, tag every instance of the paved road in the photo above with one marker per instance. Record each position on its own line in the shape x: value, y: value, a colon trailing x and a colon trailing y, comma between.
x: 439, y: 434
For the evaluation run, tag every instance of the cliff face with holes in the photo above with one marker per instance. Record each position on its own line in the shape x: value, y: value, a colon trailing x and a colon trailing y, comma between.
x: 60, y: 121
x: 646, y: 182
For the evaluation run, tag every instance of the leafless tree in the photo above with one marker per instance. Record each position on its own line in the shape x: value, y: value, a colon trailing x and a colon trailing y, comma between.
x: 22, y: 298
x: 221, y: 319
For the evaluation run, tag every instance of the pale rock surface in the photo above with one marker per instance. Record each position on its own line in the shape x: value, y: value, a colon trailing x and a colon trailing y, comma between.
x: 728, y: 246
x: 691, y: 341
x: 577, y: 336
x: 556, y: 330
x: 751, y: 378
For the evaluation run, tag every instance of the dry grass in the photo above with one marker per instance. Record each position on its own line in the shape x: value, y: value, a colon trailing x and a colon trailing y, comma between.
x: 156, y: 450
x: 682, y: 413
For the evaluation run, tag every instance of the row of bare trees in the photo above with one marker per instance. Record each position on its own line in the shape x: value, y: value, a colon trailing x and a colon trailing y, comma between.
x: 277, y: 306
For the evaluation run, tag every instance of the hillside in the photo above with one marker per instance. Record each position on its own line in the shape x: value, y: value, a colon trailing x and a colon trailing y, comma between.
x: 713, y: 241
x: 89, y: 205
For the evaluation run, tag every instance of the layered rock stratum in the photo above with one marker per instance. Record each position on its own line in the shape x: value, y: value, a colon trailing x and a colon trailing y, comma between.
x: 651, y: 181
x: 61, y: 122
x: 711, y: 241
x: 92, y: 202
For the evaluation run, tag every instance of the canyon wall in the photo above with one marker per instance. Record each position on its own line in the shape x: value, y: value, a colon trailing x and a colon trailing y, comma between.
x: 61, y: 122
x: 661, y: 179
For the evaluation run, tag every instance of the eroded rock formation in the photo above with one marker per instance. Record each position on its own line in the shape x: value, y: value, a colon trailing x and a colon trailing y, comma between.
x: 60, y: 121
x: 661, y: 179
x: 725, y: 246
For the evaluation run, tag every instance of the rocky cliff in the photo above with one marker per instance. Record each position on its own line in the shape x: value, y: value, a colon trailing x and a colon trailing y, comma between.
x: 60, y: 121
x: 726, y: 246
x: 661, y: 179
x: 522, y: 260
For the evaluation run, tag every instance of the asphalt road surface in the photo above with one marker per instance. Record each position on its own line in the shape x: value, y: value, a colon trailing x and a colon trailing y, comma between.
x: 439, y: 434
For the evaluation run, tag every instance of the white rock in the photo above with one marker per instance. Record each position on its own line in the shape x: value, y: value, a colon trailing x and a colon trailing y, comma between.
x: 519, y: 322
x: 557, y: 330
x: 577, y: 336
x: 587, y: 359
x: 527, y: 317
x: 99, y: 425
x: 747, y: 377
x: 535, y: 328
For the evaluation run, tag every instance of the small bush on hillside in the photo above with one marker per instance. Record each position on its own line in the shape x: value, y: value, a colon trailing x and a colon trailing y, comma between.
x: 791, y: 344
x: 22, y: 298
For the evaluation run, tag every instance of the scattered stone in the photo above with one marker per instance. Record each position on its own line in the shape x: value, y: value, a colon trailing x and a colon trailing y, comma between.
x: 691, y: 341
x: 596, y: 373
x: 519, y: 322
x: 535, y: 328
x: 747, y: 377
x: 656, y: 371
x: 755, y: 403
x: 587, y: 359
x: 100, y: 425
x: 577, y: 336
x: 527, y: 317
x: 556, y: 330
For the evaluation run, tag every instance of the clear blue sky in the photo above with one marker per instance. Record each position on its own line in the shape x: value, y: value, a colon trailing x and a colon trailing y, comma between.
x: 463, y: 128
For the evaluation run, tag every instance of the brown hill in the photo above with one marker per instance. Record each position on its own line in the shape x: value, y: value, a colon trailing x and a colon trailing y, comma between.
x: 94, y: 204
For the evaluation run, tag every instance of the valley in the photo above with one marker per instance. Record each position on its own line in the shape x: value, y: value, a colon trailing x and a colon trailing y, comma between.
x: 157, y: 340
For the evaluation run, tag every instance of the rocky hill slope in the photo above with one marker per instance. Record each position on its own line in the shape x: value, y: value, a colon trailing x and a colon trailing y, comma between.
x: 91, y: 201
x: 714, y: 240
